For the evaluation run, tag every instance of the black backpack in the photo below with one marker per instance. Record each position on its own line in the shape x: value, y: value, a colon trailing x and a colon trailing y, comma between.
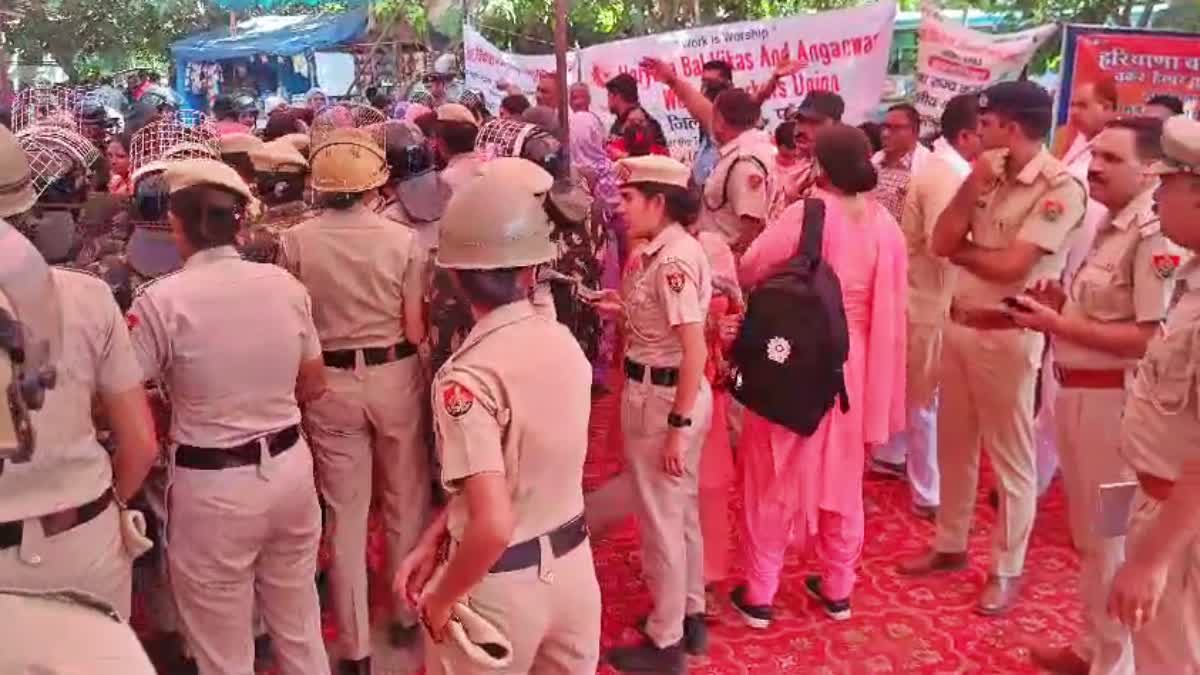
x: 789, y: 355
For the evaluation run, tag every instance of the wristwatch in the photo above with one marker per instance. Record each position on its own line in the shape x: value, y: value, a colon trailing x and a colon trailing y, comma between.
x: 678, y: 421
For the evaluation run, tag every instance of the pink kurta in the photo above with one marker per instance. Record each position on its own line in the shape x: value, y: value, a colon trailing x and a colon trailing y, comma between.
x: 792, y: 478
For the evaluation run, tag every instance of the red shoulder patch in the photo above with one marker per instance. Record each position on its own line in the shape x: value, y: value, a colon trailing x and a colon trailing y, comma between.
x: 755, y: 180
x: 1052, y: 209
x: 457, y: 400
x: 132, y: 321
x: 1165, y: 264
x: 675, y: 281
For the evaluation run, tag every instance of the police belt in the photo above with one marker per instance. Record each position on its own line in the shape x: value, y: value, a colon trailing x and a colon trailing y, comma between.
x: 58, y: 522
x: 1084, y: 378
x: 246, y: 454
x: 563, y: 540
x: 663, y: 377
x: 372, y: 356
x: 982, y: 319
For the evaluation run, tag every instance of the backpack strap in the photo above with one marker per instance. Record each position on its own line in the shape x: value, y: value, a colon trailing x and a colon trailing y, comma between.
x: 814, y: 230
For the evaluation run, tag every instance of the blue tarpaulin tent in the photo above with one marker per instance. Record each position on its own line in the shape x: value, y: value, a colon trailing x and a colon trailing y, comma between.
x: 270, y: 36
x: 275, y: 35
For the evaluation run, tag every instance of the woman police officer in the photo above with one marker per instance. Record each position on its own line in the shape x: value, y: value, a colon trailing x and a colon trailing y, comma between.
x: 243, y: 520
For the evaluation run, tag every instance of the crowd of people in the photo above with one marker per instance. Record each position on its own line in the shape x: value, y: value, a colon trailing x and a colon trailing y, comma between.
x: 282, y: 317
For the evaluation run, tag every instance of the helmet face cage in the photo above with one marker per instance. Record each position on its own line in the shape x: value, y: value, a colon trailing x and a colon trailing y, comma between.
x: 170, y: 139
x: 47, y: 105
x: 502, y: 138
x: 348, y: 115
x: 55, y: 152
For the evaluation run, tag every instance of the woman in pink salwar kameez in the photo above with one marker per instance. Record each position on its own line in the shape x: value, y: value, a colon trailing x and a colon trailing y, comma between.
x: 809, y: 489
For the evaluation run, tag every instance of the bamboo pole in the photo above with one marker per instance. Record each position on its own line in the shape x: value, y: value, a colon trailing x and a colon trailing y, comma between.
x: 560, y: 58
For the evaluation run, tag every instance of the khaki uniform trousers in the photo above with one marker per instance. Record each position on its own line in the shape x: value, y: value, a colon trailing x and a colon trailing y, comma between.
x: 89, y: 558
x: 1170, y: 644
x: 1089, y: 437
x: 987, y: 392
x: 371, y: 418
x: 667, y: 507
x: 551, y: 615
x: 244, y: 534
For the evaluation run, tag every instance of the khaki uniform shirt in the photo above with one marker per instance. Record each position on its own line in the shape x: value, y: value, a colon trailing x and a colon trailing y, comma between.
x: 930, y: 277
x: 1129, y: 276
x: 739, y: 186
x: 460, y: 169
x: 227, y: 336
x: 1042, y: 205
x: 670, y: 285
x: 69, y: 467
x: 363, y: 273
x: 496, y: 411
x: 1160, y: 430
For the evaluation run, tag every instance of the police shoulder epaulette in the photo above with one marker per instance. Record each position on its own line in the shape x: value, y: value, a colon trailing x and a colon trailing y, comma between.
x: 1150, y: 228
x: 145, y: 285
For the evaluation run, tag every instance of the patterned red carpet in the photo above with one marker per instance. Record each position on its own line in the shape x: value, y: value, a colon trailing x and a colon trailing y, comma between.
x: 900, y: 625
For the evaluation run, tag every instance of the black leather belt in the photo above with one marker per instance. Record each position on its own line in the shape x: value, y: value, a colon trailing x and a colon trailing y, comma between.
x: 372, y: 356
x: 214, y: 459
x: 526, y: 554
x: 57, y: 523
x: 663, y: 377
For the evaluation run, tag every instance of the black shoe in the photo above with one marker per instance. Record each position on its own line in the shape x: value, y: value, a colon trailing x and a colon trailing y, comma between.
x: 401, y: 636
x: 695, y: 635
x: 838, y: 610
x: 647, y: 658
x: 264, y: 656
x: 357, y: 667
x: 755, y: 616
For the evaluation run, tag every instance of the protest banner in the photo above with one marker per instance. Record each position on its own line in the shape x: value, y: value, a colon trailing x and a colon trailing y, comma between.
x: 487, y: 68
x: 1143, y: 63
x: 844, y: 51
x: 953, y: 59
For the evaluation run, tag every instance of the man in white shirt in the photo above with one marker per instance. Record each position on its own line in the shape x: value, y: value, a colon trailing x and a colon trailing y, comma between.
x: 900, y: 159
x: 1093, y: 104
x: 930, y: 289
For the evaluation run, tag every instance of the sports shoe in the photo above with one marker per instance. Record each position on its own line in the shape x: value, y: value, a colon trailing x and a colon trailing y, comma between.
x: 755, y: 616
x: 838, y: 610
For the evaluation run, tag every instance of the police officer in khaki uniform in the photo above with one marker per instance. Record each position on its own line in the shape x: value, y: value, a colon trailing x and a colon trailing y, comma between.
x: 365, y: 276
x: 512, y: 447
x: 455, y: 141
x: 60, y: 520
x: 666, y: 406
x: 1008, y: 227
x: 737, y: 193
x: 1115, y: 305
x: 280, y: 172
x: 1157, y: 592
x: 243, y: 523
x: 415, y: 194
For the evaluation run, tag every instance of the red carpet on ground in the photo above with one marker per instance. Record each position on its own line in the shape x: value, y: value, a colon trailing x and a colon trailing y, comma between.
x: 900, y: 624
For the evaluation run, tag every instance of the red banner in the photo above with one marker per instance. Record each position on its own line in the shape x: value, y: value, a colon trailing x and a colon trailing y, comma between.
x: 1143, y: 64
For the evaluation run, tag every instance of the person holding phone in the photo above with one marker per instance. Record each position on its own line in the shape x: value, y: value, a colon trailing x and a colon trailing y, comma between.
x: 1098, y: 330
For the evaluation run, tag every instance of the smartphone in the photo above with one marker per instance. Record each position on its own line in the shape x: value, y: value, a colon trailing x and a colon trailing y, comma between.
x: 1015, y: 305
x: 1113, y: 508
